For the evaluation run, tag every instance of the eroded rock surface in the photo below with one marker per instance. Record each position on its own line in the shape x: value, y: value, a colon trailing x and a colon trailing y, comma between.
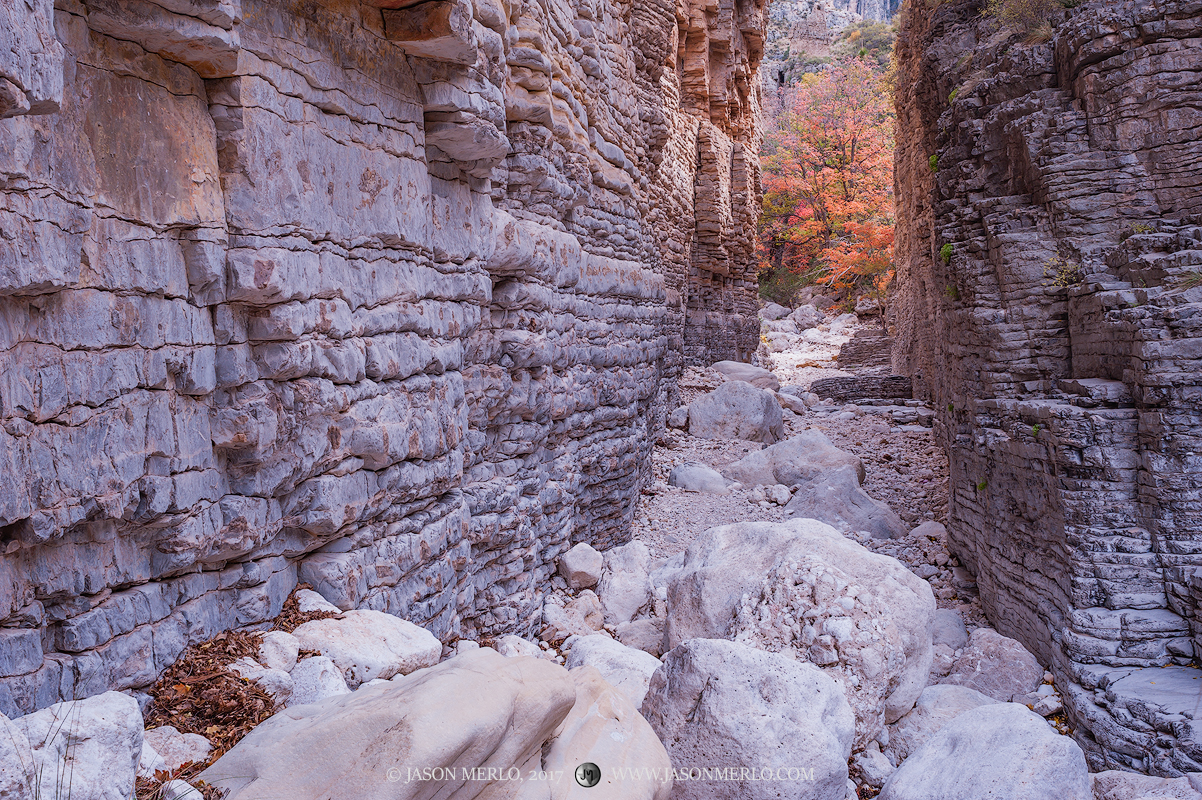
x: 386, y: 300
x: 1048, y: 249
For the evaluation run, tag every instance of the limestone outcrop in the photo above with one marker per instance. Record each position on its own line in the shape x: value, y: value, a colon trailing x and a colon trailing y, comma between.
x: 382, y: 297
x: 1049, y: 255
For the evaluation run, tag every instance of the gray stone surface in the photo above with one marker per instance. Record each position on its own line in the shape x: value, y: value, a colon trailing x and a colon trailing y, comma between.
x: 581, y: 566
x: 1053, y: 341
x: 757, y: 376
x: 1002, y: 751
x: 1118, y: 785
x: 644, y: 634
x: 692, y: 477
x: 797, y: 460
x: 867, y: 618
x: 936, y: 706
x: 395, y: 310
x: 627, y: 669
x: 737, y: 410
x: 996, y: 666
x: 625, y: 585
x: 85, y: 749
x: 715, y: 703
x: 835, y: 497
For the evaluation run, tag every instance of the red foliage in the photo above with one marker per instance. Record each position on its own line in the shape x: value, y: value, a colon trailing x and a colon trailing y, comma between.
x: 828, y: 177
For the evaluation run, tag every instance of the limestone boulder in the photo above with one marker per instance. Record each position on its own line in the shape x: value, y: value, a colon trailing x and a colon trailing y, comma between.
x: 581, y: 566
x: 84, y: 749
x: 800, y: 459
x: 588, y: 607
x: 370, y: 644
x: 737, y: 410
x: 177, y: 749
x: 1003, y: 751
x: 314, y: 679
x: 694, y: 477
x: 279, y: 650
x: 625, y: 585
x: 643, y: 634
x: 774, y: 311
x: 17, y: 775
x: 738, y: 371
x: 803, y: 588
x: 717, y: 704
x: 275, y: 682
x: 996, y: 666
x: 679, y: 418
x: 806, y: 317
x: 560, y: 622
x: 512, y: 646
x: 1117, y: 785
x: 936, y: 706
x: 478, y: 709
x: 627, y: 669
x: 837, y: 499
x: 606, y: 729
x: 308, y: 601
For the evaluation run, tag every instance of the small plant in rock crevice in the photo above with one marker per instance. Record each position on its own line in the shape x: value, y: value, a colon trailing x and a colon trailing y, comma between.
x: 1061, y: 272
x: 951, y: 292
x: 945, y: 252
x: 933, y: 162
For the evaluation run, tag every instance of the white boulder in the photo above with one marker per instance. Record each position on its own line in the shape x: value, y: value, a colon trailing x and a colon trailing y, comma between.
x: 837, y: 499
x: 315, y: 679
x: 275, y: 682
x: 806, y: 317
x: 478, y: 709
x: 512, y: 646
x: 717, y: 704
x: 996, y: 666
x: 177, y: 749
x: 85, y: 749
x: 801, y: 587
x: 279, y: 650
x: 308, y: 601
x: 694, y: 477
x: 627, y: 669
x: 1003, y: 751
x: 737, y: 410
x: 801, y: 458
x: 605, y: 728
x: 581, y: 566
x: 370, y: 644
x: 625, y: 585
x: 936, y: 706
x: 738, y: 371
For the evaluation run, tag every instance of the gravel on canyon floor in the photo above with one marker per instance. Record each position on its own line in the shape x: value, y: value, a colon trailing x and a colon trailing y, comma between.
x: 904, y: 467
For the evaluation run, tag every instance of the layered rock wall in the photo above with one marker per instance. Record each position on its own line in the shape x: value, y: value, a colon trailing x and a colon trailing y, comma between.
x: 1050, y: 282
x: 385, y: 297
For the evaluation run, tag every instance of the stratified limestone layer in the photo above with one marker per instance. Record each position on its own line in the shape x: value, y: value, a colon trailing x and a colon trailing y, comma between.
x: 1050, y: 275
x: 388, y: 300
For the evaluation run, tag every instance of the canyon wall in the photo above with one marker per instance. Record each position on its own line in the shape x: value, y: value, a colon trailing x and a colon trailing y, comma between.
x: 1048, y: 302
x: 382, y: 296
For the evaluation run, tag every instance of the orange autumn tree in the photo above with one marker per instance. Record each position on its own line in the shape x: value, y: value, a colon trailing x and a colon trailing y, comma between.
x: 828, y: 177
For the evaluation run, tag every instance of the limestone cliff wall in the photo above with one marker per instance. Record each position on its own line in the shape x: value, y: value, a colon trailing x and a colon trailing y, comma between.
x: 1049, y: 283
x: 386, y: 297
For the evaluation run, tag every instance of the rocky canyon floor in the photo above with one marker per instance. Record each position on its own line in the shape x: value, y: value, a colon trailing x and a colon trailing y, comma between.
x: 903, y: 467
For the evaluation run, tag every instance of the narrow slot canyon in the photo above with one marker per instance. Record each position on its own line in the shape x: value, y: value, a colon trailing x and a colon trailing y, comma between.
x: 547, y: 399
